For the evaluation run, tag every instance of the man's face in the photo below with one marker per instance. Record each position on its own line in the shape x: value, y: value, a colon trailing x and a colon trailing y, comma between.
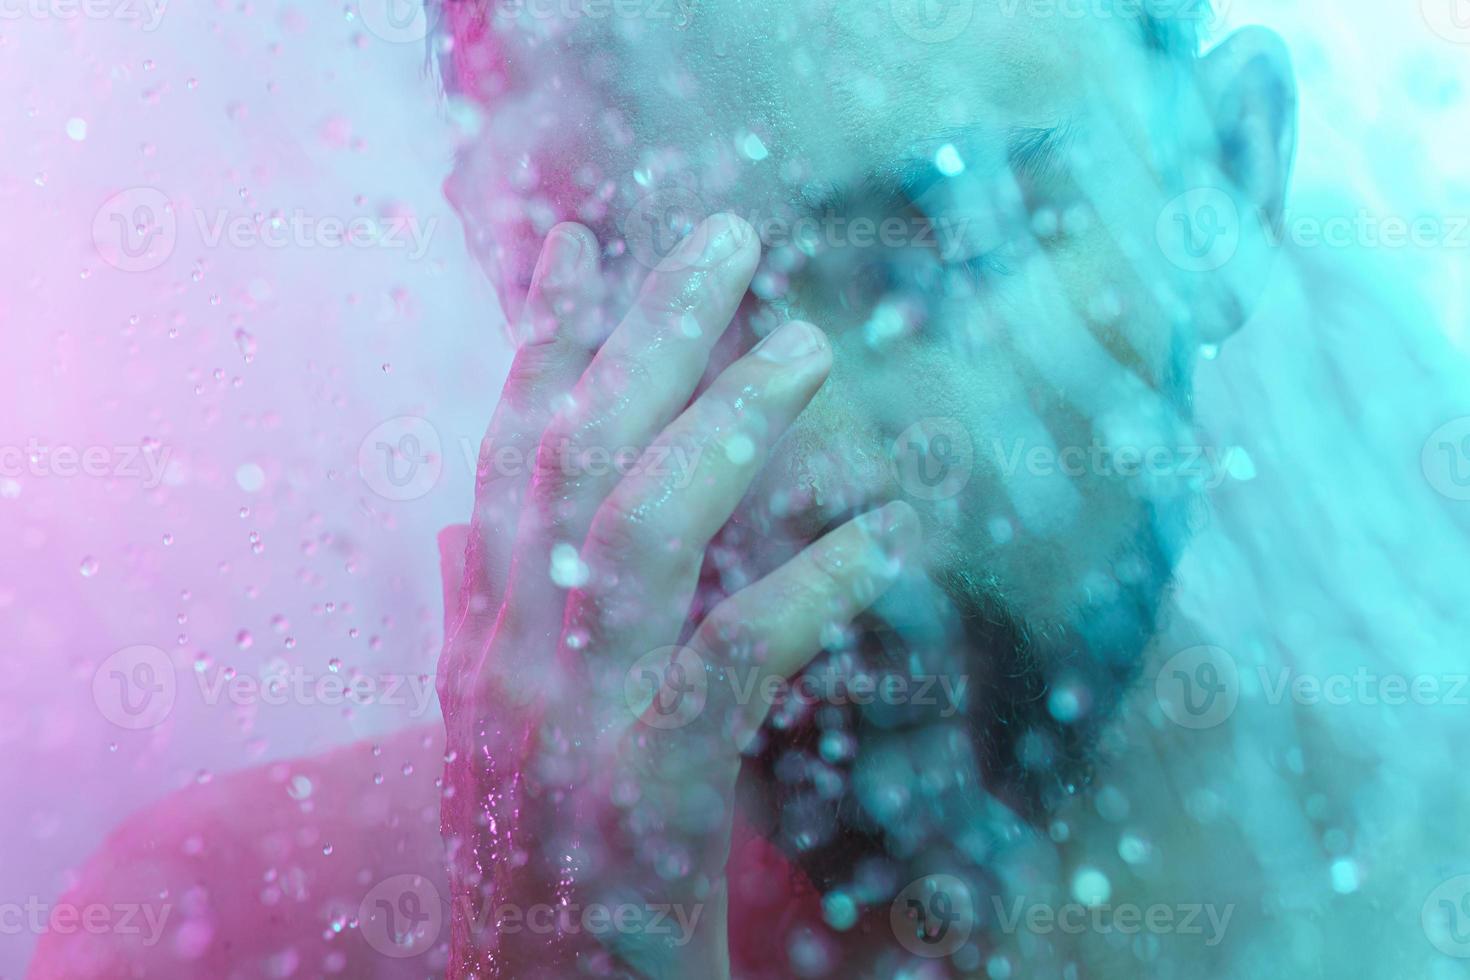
x: 967, y: 205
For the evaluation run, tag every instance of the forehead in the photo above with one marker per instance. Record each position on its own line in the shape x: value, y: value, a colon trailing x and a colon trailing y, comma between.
x: 833, y: 82
x: 589, y: 103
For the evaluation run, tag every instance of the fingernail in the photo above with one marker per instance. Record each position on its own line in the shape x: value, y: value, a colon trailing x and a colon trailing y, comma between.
x: 717, y: 239
x: 564, y: 258
x: 790, y: 342
x: 894, y: 528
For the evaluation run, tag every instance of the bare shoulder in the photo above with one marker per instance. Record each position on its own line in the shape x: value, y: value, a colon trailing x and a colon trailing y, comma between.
x: 263, y: 872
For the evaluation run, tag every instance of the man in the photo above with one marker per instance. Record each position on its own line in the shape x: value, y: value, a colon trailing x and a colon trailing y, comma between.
x: 775, y: 663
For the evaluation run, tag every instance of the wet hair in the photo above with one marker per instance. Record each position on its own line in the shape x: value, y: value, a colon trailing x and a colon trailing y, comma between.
x: 469, y: 55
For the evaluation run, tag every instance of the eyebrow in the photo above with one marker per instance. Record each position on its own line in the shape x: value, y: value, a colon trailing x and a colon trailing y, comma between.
x: 1035, y: 154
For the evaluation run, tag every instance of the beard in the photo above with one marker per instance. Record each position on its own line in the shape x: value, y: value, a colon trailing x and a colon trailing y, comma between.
x: 866, y: 793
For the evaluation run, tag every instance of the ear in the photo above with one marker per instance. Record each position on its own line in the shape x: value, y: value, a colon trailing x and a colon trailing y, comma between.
x: 1249, y: 90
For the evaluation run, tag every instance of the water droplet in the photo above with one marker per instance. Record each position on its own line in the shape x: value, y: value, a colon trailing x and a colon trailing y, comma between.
x: 1091, y: 887
x: 244, y: 640
x: 246, y: 343
x: 567, y: 568
x: 90, y: 566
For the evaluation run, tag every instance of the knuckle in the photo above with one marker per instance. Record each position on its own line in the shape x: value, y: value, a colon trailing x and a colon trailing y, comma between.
x: 617, y: 530
x: 615, y: 373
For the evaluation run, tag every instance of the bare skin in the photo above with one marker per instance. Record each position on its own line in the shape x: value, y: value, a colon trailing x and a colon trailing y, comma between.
x: 183, y: 847
x: 554, y: 789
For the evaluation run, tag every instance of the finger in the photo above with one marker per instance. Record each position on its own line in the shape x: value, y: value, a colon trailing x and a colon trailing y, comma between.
x: 778, y: 622
x: 639, y: 380
x: 648, y: 538
x: 452, y: 542
x: 559, y: 328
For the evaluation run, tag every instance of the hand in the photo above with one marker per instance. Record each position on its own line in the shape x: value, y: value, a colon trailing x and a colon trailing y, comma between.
x: 564, y: 784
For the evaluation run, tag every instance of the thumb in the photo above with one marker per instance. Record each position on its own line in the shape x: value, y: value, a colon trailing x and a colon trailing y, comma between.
x: 452, y: 542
